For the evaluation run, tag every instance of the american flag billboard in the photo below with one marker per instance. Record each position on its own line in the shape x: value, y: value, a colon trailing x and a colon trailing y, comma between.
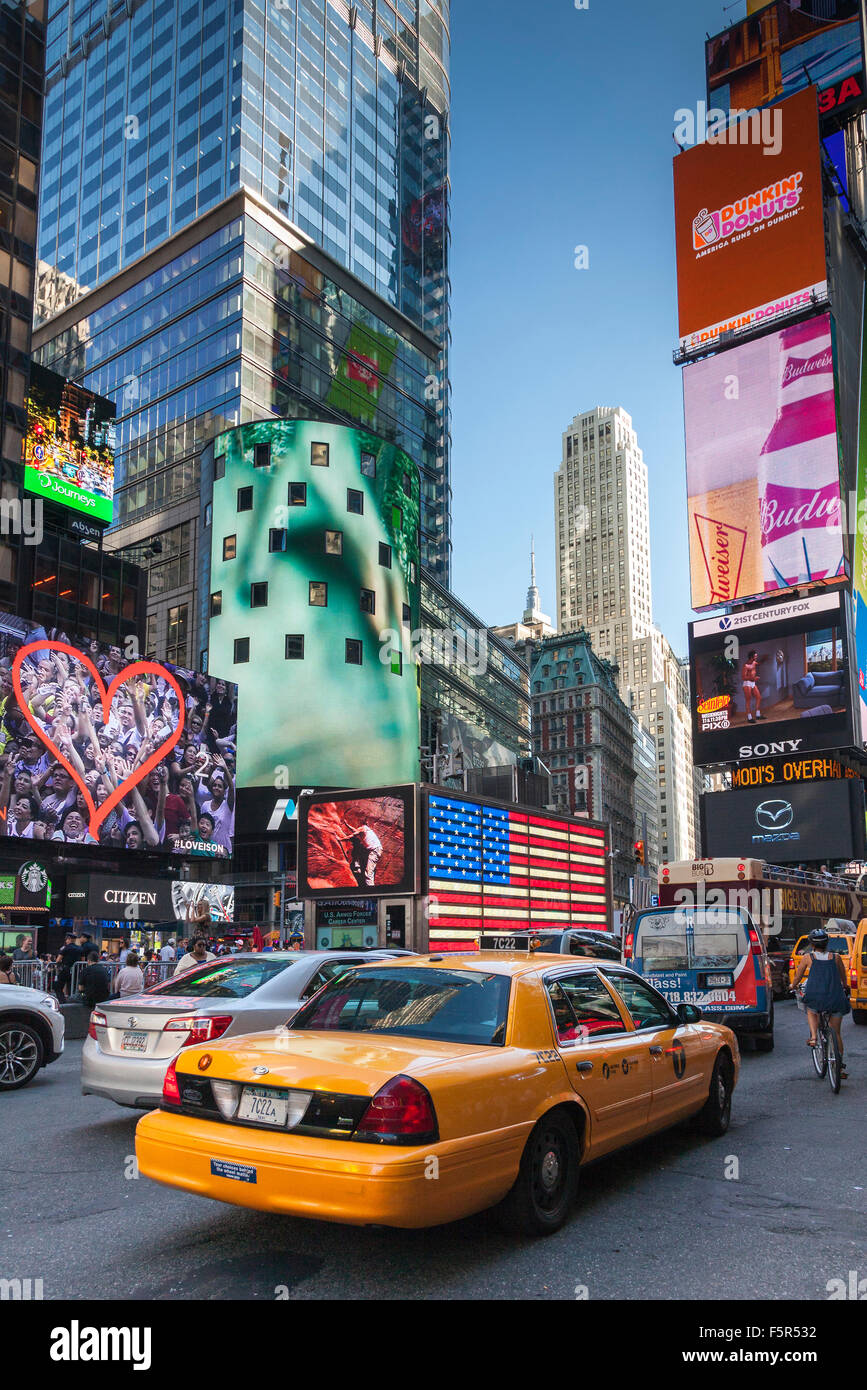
x: 500, y: 868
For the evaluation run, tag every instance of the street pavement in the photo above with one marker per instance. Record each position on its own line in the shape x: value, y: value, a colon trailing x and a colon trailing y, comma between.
x: 661, y: 1221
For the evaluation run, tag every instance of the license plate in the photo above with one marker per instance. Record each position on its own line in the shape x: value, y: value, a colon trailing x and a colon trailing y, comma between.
x: 134, y: 1042
x: 719, y: 981
x: 267, y: 1107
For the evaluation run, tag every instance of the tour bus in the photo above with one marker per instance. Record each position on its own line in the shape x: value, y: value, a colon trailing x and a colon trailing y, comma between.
x: 786, y: 903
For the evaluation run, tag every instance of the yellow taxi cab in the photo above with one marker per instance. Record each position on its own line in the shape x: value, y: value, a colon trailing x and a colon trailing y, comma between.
x: 841, y: 940
x: 858, y: 974
x: 420, y: 1090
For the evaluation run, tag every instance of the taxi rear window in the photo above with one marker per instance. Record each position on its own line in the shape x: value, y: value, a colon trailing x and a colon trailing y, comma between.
x: 225, y: 980
x: 443, y: 1005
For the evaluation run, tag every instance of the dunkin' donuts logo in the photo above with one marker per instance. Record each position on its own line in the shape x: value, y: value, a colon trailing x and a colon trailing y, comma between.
x: 713, y: 228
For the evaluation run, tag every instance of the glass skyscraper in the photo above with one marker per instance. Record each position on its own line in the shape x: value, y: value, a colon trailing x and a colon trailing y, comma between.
x: 244, y: 213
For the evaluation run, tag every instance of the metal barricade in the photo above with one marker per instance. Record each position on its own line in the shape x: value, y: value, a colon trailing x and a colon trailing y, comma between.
x: 112, y: 966
x: 35, y: 974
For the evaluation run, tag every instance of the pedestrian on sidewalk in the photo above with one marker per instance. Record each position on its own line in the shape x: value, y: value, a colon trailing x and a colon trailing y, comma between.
x: 95, y: 983
x: 130, y: 979
x: 7, y: 971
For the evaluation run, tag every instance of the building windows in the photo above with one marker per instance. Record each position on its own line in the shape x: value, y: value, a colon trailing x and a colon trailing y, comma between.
x: 397, y: 664
x: 294, y: 649
x: 219, y: 467
x: 354, y: 501
x: 176, y: 637
x: 319, y: 455
x: 216, y: 604
x: 317, y: 594
x: 262, y: 456
x: 259, y: 595
x: 245, y: 498
x: 278, y: 539
x: 353, y: 652
x: 297, y: 494
x: 230, y: 547
x: 368, y: 465
x: 385, y: 555
x: 406, y: 614
x: 333, y: 542
x: 406, y: 484
x: 242, y: 650
x: 368, y: 601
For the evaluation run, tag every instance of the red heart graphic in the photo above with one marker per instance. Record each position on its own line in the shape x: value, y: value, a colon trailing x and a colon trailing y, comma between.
x: 98, y: 813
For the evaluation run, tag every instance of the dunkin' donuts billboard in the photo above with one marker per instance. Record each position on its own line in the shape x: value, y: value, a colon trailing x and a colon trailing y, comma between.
x: 749, y: 223
x: 762, y: 464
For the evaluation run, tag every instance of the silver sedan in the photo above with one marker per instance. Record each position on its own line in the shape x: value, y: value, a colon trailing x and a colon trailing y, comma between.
x: 131, y: 1041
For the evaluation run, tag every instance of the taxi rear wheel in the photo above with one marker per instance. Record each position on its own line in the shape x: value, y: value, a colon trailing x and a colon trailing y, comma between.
x: 715, y: 1116
x: 545, y: 1191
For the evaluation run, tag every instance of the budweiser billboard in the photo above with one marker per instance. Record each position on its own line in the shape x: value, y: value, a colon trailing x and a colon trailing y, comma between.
x: 749, y: 223
x: 762, y: 463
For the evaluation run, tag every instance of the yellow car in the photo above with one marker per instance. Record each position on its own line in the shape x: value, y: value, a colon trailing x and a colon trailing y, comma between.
x: 420, y: 1090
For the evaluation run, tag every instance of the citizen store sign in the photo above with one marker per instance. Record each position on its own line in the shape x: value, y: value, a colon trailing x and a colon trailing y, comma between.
x: 818, y: 822
x: 148, y: 900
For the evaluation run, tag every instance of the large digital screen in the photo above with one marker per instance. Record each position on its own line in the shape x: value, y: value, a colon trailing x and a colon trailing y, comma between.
x: 858, y: 524
x: 315, y: 602
x: 820, y: 823
x: 498, y: 868
x: 70, y: 444
x: 749, y: 225
x: 357, y: 844
x: 762, y: 465
x: 785, y: 46
x: 771, y: 682
x: 97, y: 749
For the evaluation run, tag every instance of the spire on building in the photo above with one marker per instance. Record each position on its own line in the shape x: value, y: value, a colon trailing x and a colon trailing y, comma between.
x: 532, y: 613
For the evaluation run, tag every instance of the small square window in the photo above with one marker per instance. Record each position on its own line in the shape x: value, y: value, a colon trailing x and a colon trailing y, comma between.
x: 319, y: 455
x: 385, y: 555
x: 297, y: 494
x: 262, y: 456
x: 397, y: 518
x: 245, y: 499
x: 259, y: 595
x: 368, y: 465
x: 216, y: 606
x: 397, y: 664
x: 413, y: 572
x: 318, y: 594
x: 242, y: 650
x: 209, y: 513
x: 219, y: 468
x: 230, y: 547
x: 407, y: 614
x: 406, y: 484
x: 278, y: 539
x: 354, y: 501
x: 333, y: 542
x: 294, y: 646
x: 368, y: 601
x: 353, y: 652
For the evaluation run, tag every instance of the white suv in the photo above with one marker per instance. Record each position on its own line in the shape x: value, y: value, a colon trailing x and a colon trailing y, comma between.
x: 31, y: 1034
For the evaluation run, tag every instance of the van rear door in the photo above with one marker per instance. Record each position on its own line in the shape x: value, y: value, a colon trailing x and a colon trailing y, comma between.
x: 698, y: 956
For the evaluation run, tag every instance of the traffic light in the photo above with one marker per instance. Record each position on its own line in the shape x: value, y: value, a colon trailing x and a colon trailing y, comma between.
x: 639, y: 851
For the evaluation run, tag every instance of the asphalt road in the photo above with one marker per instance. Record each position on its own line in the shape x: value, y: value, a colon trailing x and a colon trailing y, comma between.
x: 660, y: 1221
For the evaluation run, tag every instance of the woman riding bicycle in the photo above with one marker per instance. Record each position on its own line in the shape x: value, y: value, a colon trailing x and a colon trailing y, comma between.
x: 826, y: 990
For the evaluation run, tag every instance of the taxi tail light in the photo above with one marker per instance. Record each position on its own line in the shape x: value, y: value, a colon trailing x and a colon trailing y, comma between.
x: 171, y: 1089
x: 853, y: 977
x: 627, y: 945
x: 97, y: 1020
x: 401, y: 1112
x: 199, y: 1029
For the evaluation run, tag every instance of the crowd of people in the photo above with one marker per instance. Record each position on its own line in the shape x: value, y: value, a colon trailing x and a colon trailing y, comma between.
x: 186, y: 804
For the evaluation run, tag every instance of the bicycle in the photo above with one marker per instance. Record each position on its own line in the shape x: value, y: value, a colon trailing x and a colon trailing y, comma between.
x: 826, y: 1054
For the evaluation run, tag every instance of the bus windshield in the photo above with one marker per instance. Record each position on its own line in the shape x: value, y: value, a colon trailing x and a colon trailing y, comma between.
x: 690, y: 939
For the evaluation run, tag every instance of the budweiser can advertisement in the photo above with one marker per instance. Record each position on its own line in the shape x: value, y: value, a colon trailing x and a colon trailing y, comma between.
x: 763, y: 471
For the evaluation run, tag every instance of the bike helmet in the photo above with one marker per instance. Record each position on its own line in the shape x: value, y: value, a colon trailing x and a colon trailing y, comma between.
x: 819, y: 937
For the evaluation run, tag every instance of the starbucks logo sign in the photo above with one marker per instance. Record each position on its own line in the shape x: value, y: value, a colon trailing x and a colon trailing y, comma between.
x: 33, y: 877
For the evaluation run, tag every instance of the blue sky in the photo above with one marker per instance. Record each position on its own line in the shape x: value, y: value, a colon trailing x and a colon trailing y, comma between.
x: 562, y: 136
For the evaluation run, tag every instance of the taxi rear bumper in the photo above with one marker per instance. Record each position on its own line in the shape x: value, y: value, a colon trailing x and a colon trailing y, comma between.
x: 330, y: 1180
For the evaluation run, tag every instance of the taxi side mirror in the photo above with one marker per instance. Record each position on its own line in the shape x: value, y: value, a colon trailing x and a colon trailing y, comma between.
x: 688, y: 1013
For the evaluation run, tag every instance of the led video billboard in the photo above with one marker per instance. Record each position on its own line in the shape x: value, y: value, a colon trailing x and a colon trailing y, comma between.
x: 763, y: 467
x: 315, y: 597
x: 772, y: 681
x: 858, y: 525
x: 69, y: 446
x: 820, y: 823
x: 785, y: 46
x: 357, y: 844
x: 97, y: 749
x: 749, y: 224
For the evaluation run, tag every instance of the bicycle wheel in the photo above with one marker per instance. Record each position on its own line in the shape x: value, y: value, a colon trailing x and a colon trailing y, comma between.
x: 820, y: 1055
x: 835, y: 1062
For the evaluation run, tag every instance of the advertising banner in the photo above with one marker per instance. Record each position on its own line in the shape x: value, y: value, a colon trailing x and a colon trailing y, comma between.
x: 69, y: 446
x: 96, y: 749
x: 148, y: 899
x: 763, y: 467
x: 772, y: 682
x: 822, y: 822
x: 749, y: 227
x: 859, y: 550
x: 357, y: 844
x: 786, y: 46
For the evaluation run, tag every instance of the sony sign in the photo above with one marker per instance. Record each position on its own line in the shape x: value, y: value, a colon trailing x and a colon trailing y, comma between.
x: 767, y: 750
